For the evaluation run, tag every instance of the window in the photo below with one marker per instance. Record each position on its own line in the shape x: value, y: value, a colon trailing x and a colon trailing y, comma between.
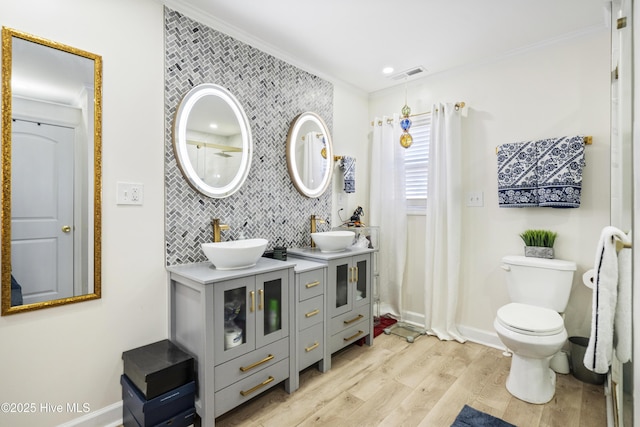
x: 416, y: 161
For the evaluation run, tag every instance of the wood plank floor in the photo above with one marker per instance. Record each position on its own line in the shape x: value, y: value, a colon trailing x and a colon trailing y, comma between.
x: 426, y: 383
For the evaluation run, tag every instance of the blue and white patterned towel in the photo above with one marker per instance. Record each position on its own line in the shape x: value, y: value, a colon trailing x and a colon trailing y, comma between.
x: 560, y: 164
x: 517, y: 179
x: 348, y: 166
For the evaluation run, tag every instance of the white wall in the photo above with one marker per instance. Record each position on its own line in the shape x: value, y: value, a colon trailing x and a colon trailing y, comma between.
x: 73, y: 353
x: 558, y: 89
x: 350, y: 138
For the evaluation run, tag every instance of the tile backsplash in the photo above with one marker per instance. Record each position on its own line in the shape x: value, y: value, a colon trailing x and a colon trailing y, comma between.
x: 272, y: 93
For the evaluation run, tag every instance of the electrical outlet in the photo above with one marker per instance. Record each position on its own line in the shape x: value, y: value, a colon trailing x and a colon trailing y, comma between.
x: 130, y: 193
x: 475, y: 199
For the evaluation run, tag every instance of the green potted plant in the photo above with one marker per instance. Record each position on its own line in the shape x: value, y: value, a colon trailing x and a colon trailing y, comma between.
x: 539, y: 243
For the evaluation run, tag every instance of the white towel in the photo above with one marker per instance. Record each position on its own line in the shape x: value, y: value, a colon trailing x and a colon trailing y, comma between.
x: 622, y: 338
x: 597, y: 357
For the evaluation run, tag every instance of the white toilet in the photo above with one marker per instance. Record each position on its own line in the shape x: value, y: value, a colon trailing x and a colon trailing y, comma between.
x: 531, y: 326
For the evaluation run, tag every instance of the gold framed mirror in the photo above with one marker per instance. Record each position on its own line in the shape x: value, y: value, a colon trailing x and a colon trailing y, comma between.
x: 51, y: 173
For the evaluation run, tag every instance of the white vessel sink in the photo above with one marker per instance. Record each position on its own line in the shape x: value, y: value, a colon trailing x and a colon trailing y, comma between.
x: 236, y: 254
x: 333, y: 241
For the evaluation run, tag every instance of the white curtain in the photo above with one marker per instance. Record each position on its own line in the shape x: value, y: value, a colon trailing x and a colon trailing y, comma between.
x: 444, y: 222
x: 388, y: 210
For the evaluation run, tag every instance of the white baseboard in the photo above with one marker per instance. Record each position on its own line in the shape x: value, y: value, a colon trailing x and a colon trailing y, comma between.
x: 480, y: 336
x: 109, y: 416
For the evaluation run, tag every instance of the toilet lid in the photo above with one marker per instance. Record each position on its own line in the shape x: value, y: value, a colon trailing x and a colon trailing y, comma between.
x: 529, y: 319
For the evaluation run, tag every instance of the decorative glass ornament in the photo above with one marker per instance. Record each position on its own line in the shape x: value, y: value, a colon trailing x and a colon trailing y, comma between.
x: 405, y: 124
x: 406, y: 140
x: 406, y: 111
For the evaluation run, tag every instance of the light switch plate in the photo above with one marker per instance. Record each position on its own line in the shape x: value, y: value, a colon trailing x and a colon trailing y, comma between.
x: 475, y: 199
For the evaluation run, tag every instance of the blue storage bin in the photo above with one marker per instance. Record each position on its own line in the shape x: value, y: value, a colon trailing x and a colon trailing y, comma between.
x: 127, y: 418
x: 183, y: 419
x: 159, y: 410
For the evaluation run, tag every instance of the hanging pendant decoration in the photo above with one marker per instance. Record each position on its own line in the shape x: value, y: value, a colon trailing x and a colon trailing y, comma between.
x: 405, y: 123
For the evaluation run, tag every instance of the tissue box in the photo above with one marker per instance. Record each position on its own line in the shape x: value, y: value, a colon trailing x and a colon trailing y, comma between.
x: 157, y: 368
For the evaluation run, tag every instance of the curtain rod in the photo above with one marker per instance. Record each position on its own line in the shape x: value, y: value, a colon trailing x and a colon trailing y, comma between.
x: 457, y: 105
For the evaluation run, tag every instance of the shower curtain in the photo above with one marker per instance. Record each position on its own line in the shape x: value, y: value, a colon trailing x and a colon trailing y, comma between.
x: 388, y: 211
x: 444, y: 222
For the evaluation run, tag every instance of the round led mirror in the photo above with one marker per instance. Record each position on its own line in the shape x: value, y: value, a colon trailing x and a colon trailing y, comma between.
x: 212, y: 141
x: 309, y: 154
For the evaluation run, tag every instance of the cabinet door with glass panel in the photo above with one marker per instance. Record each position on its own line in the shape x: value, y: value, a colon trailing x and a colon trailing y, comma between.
x: 348, y: 283
x: 249, y: 313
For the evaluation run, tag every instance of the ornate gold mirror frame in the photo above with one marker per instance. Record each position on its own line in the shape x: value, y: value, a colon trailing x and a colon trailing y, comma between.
x: 90, y: 253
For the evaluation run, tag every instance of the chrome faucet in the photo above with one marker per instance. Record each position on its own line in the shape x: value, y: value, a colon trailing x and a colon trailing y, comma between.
x: 315, y: 220
x: 216, y: 229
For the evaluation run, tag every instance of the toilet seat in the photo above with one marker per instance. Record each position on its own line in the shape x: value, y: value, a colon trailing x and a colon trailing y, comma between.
x: 530, y: 320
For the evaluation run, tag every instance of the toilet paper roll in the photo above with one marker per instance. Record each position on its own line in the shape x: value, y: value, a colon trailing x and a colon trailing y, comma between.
x: 588, y: 277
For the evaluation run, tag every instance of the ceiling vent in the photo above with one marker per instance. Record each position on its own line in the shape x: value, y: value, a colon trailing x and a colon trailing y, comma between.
x: 411, y: 72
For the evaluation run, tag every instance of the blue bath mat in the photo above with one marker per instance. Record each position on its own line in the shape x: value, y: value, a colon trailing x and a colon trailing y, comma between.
x: 469, y: 417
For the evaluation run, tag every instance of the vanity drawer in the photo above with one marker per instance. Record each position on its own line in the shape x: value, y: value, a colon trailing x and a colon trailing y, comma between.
x: 311, y: 284
x: 310, y: 346
x: 350, y: 335
x: 246, y: 365
x: 310, y: 312
x: 240, y: 392
x: 347, y: 320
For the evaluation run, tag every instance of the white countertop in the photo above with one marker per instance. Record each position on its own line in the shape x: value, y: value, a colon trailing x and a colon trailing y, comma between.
x: 315, y: 253
x: 205, y: 272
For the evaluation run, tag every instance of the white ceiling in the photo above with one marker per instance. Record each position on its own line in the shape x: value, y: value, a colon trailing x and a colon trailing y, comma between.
x: 351, y: 41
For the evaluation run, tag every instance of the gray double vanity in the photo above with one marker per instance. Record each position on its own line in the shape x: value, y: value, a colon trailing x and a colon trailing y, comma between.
x: 249, y: 321
x: 250, y: 329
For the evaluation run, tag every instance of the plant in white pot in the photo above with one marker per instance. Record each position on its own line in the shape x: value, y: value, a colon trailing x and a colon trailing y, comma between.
x: 539, y: 243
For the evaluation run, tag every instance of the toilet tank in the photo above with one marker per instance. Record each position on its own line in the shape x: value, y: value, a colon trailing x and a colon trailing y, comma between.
x: 539, y: 281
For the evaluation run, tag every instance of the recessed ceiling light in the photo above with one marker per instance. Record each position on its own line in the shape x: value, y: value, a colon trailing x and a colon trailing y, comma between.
x: 387, y: 70
x: 213, y: 126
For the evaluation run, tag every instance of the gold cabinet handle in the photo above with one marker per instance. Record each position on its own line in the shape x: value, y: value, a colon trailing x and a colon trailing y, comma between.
x: 351, y: 274
x: 312, y: 347
x: 355, y: 319
x: 312, y: 284
x: 355, y: 269
x: 261, y: 304
x: 253, y: 301
x: 356, y: 335
x: 312, y: 313
x: 258, y: 387
x: 253, y: 365
x: 66, y: 228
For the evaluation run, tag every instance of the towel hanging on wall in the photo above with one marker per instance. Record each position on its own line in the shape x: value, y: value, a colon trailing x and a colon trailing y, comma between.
x: 544, y: 173
x: 348, y: 166
x: 517, y: 178
x: 559, y: 170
